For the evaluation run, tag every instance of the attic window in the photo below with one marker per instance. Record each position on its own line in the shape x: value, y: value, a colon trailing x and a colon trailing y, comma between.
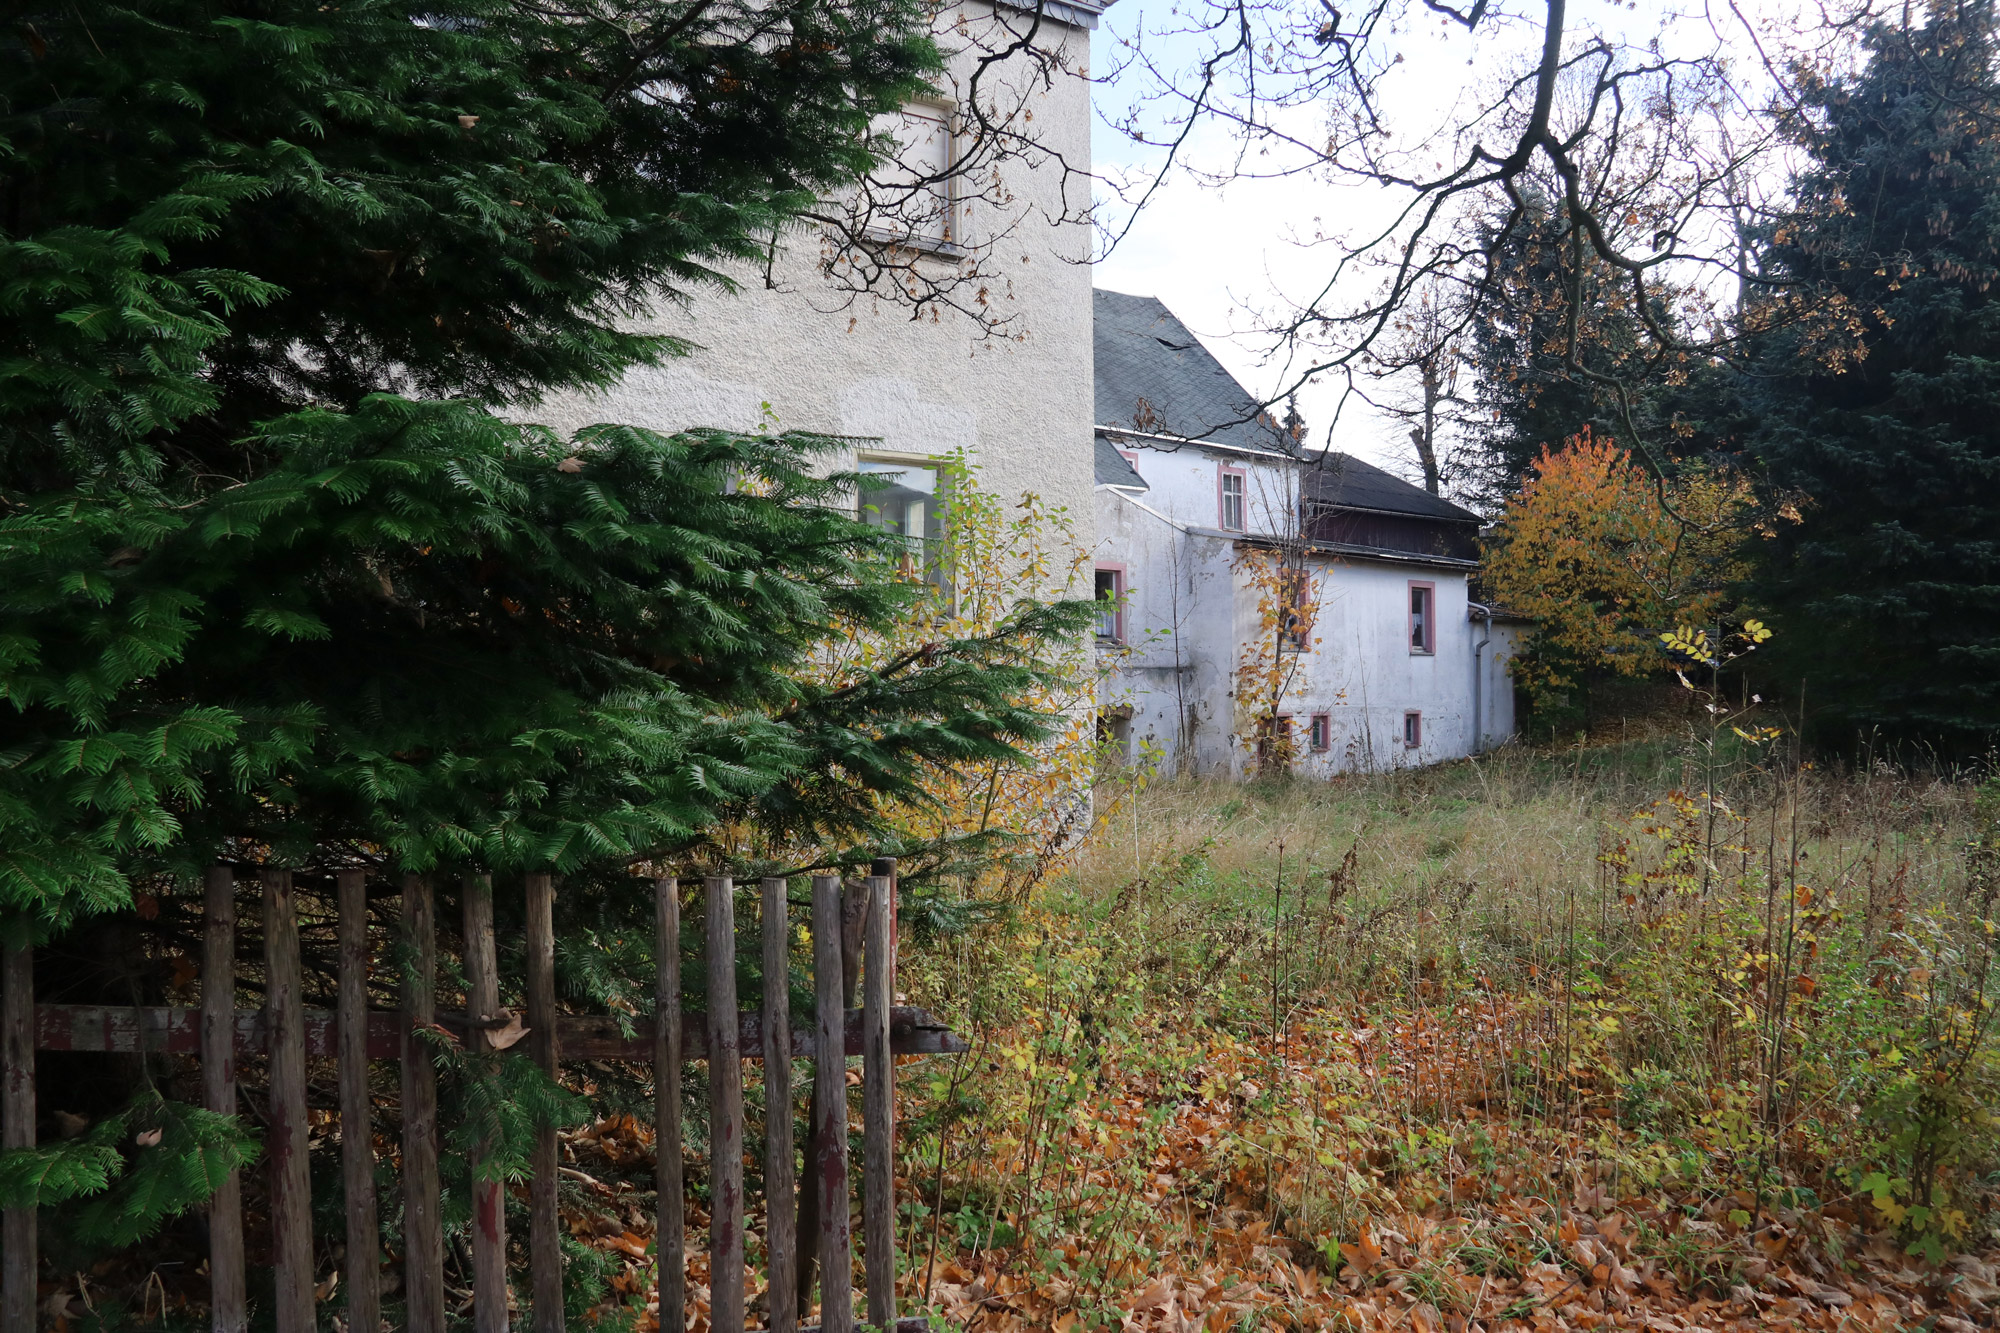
x: 1172, y: 346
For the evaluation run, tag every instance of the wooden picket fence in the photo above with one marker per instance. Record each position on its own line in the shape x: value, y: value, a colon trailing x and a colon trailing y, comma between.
x: 850, y: 925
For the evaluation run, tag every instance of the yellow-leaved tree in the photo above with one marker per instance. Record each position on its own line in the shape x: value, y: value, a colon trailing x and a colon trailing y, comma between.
x: 1606, y: 557
x: 994, y: 828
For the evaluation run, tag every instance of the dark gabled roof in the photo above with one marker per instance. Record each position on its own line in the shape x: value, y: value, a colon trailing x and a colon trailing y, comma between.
x: 1342, y: 481
x: 1114, y: 469
x: 1155, y: 377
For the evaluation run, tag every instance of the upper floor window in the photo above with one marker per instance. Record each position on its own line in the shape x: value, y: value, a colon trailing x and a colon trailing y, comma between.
x: 1234, y: 490
x: 911, y: 504
x: 1111, y: 603
x: 1423, y: 617
x: 912, y: 194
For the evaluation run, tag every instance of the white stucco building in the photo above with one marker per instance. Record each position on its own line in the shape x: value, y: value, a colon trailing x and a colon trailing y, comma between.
x: 1207, y: 513
x: 985, y: 215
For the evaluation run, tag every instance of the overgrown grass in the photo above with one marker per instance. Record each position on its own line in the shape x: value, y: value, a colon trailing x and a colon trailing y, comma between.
x: 1315, y: 1048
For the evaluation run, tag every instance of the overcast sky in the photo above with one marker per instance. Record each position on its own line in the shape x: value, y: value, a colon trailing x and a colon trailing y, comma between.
x: 1223, y: 258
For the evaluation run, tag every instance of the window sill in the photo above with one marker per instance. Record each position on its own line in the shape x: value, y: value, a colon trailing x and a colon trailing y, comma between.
x: 922, y: 245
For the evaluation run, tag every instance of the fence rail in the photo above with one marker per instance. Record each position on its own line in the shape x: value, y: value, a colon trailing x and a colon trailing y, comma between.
x: 853, y: 930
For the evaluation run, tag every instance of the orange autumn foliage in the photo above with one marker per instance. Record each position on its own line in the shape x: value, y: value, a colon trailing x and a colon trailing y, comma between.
x: 1605, y: 557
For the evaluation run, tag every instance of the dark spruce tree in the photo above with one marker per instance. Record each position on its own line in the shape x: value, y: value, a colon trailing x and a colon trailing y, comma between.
x: 1675, y: 404
x: 283, y: 577
x: 1885, y: 596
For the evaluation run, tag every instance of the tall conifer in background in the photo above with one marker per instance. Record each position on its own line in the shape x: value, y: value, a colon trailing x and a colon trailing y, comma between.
x: 1885, y: 597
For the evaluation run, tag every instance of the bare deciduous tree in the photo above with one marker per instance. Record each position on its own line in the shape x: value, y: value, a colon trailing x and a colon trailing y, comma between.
x: 1653, y: 155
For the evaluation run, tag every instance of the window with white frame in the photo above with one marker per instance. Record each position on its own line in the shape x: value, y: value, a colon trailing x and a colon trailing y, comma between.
x: 909, y: 501
x: 1233, y: 491
x: 912, y: 194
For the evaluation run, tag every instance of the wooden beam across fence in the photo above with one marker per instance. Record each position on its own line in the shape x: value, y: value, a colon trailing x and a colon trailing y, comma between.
x: 133, y: 1028
x: 853, y: 934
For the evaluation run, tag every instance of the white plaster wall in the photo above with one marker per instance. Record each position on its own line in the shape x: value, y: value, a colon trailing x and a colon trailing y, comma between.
x: 1175, y: 671
x: 1361, y: 672
x: 793, y: 353
x: 1504, y: 641
x: 1186, y: 485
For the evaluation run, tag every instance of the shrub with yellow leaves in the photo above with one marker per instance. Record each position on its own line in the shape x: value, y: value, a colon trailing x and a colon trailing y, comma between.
x: 1609, y: 560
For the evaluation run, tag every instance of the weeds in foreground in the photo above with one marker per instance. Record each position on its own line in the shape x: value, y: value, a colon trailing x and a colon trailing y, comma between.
x: 1498, y: 1042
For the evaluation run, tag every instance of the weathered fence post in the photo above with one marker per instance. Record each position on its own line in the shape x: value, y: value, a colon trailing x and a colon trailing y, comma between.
x: 17, y: 1122
x: 228, y: 1309
x: 878, y: 1108
x: 544, y: 1219
x: 780, y: 1180
x: 725, y: 1120
x: 482, y: 1007
x: 851, y: 915
x: 357, y: 1135
x: 423, y: 1229
x: 670, y: 1239
x: 836, y: 1259
x: 291, y: 1187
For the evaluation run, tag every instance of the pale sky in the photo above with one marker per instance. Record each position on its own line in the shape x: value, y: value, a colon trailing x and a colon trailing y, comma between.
x: 1218, y: 257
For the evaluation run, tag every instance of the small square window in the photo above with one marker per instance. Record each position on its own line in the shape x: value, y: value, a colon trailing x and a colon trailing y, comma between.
x: 1413, y: 730
x: 1233, y: 495
x: 1423, y: 618
x: 1111, y: 604
x: 1322, y: 732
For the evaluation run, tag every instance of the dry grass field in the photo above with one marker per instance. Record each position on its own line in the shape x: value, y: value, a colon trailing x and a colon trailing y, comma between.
x: 1667, y: 1034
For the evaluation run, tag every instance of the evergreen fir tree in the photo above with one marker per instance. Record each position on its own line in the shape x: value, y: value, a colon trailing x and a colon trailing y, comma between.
x: 281, y: 573
x: 272, y: 565
x: 1885, y: 596
x: 1529, y: 397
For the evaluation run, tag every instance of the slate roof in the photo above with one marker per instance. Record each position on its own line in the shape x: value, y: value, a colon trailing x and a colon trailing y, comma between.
x: 1344, y: 481
x: 1154, y: 376
x: 1114, y: 469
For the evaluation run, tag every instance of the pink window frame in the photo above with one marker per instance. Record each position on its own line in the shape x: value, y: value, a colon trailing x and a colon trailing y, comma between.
x: 1413, y: 742
x: 1117, y: 616
x: 1221, y: 510
x: 1430, y: 621
x: 1322, y: 723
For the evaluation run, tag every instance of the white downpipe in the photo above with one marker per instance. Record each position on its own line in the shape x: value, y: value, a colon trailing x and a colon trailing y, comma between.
x: 1479, y: 678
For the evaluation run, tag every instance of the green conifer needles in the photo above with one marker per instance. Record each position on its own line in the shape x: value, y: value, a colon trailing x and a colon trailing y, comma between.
x: 281, y: 570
